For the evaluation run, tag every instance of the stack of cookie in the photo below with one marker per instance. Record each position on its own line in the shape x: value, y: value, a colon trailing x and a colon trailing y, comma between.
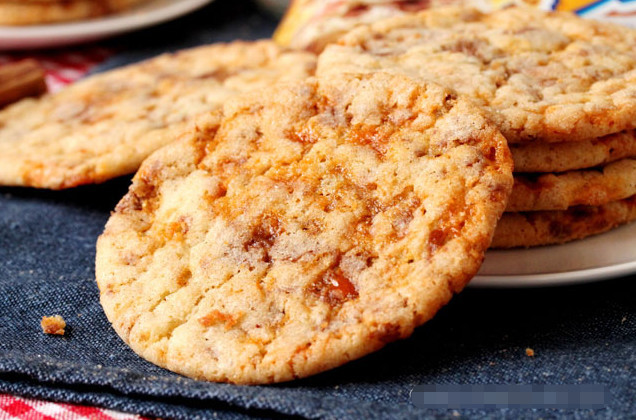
x: 36, y: 12
x: 560, y: 88
x: 571, y: 190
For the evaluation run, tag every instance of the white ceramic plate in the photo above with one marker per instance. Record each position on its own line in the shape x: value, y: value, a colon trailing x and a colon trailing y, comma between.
x: 44, y: 36
x: 600, y: 257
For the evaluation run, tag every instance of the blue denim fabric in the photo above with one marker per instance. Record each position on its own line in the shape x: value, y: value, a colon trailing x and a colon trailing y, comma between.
x: 581, y: 334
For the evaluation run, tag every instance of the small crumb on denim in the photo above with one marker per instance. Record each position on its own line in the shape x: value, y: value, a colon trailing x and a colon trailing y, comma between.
x: 53, y: 325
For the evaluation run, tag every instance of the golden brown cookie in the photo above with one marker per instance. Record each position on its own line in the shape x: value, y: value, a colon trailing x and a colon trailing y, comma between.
x: 320, y: 221
x: 20, y: 12
x: 106, y: 125
x: 561, y: 157
x: 542, y: 76
x: 594, y: 187
x: 312, y: 24
x: 555, y: 227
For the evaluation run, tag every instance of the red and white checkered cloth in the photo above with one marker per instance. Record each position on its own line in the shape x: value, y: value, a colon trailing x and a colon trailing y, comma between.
x: 16, y: 408
x: 62, y: 67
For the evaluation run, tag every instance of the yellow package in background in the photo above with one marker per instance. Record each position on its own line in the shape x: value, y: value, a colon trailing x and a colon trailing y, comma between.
x: 617, y: 11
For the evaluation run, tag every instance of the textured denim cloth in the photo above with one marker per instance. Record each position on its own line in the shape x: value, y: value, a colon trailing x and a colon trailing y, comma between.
x: 581, y: 334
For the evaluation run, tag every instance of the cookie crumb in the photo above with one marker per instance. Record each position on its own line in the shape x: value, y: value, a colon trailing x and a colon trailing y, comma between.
x: 53, y: 325
x: 529, y: 352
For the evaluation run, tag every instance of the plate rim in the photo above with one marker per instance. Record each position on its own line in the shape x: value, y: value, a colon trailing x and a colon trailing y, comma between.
x: 554, y: 279
x: 500, y: 265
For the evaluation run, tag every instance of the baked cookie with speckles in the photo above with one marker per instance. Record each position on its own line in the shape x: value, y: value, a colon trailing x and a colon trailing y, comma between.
x: 593, y: 187
x: 568, y: 156
x: 319, y: 221
x: 312, y: 24
x: 537, y: 228
x: 542, y: 76
x: 106, y: 125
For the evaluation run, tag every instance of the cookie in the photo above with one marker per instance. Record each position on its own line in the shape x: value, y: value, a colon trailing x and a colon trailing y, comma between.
x: 585, y: 187
x: 561, y: 157
x: 320, y: 221
x: 556, y: 227
x: 312, y: 24
x: 45, y: 12
x: 542, y: 76
x: 105, y: 126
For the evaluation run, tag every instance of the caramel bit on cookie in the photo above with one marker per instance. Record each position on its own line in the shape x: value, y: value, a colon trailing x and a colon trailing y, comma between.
x: 334, y: 288
x: 264, y: 234
x: 357, y: 10
x: 53, y: 325
x: 403, y: 207
x: 468, y: 47
x: 413, y: 5
x: 217, y: 317
x: 375, y: 137
x: 529, y: 352
x: 387, y: 333
x: 449, y: 227
x: 177, y: 229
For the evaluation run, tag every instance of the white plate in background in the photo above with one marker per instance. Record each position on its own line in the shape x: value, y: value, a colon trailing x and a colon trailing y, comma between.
x: 59, y: 34
x: 600, y: 257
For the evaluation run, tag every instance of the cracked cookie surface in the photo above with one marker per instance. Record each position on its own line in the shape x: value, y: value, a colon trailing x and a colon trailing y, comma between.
x: 104, y: 126
x: 319, y: 221
x: 544, y: 77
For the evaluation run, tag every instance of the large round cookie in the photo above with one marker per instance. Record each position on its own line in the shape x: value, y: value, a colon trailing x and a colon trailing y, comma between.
x: 322, y: 220
x: 561, y: 157
x: 556, y: 227
x: 106, y: 125
x: 549, y: 77
x: 20, y: 12
x: 594, y: 187
x: 312, y: 24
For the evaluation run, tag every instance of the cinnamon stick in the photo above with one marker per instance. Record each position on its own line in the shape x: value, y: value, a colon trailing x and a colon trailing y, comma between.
x: 20, y: 80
